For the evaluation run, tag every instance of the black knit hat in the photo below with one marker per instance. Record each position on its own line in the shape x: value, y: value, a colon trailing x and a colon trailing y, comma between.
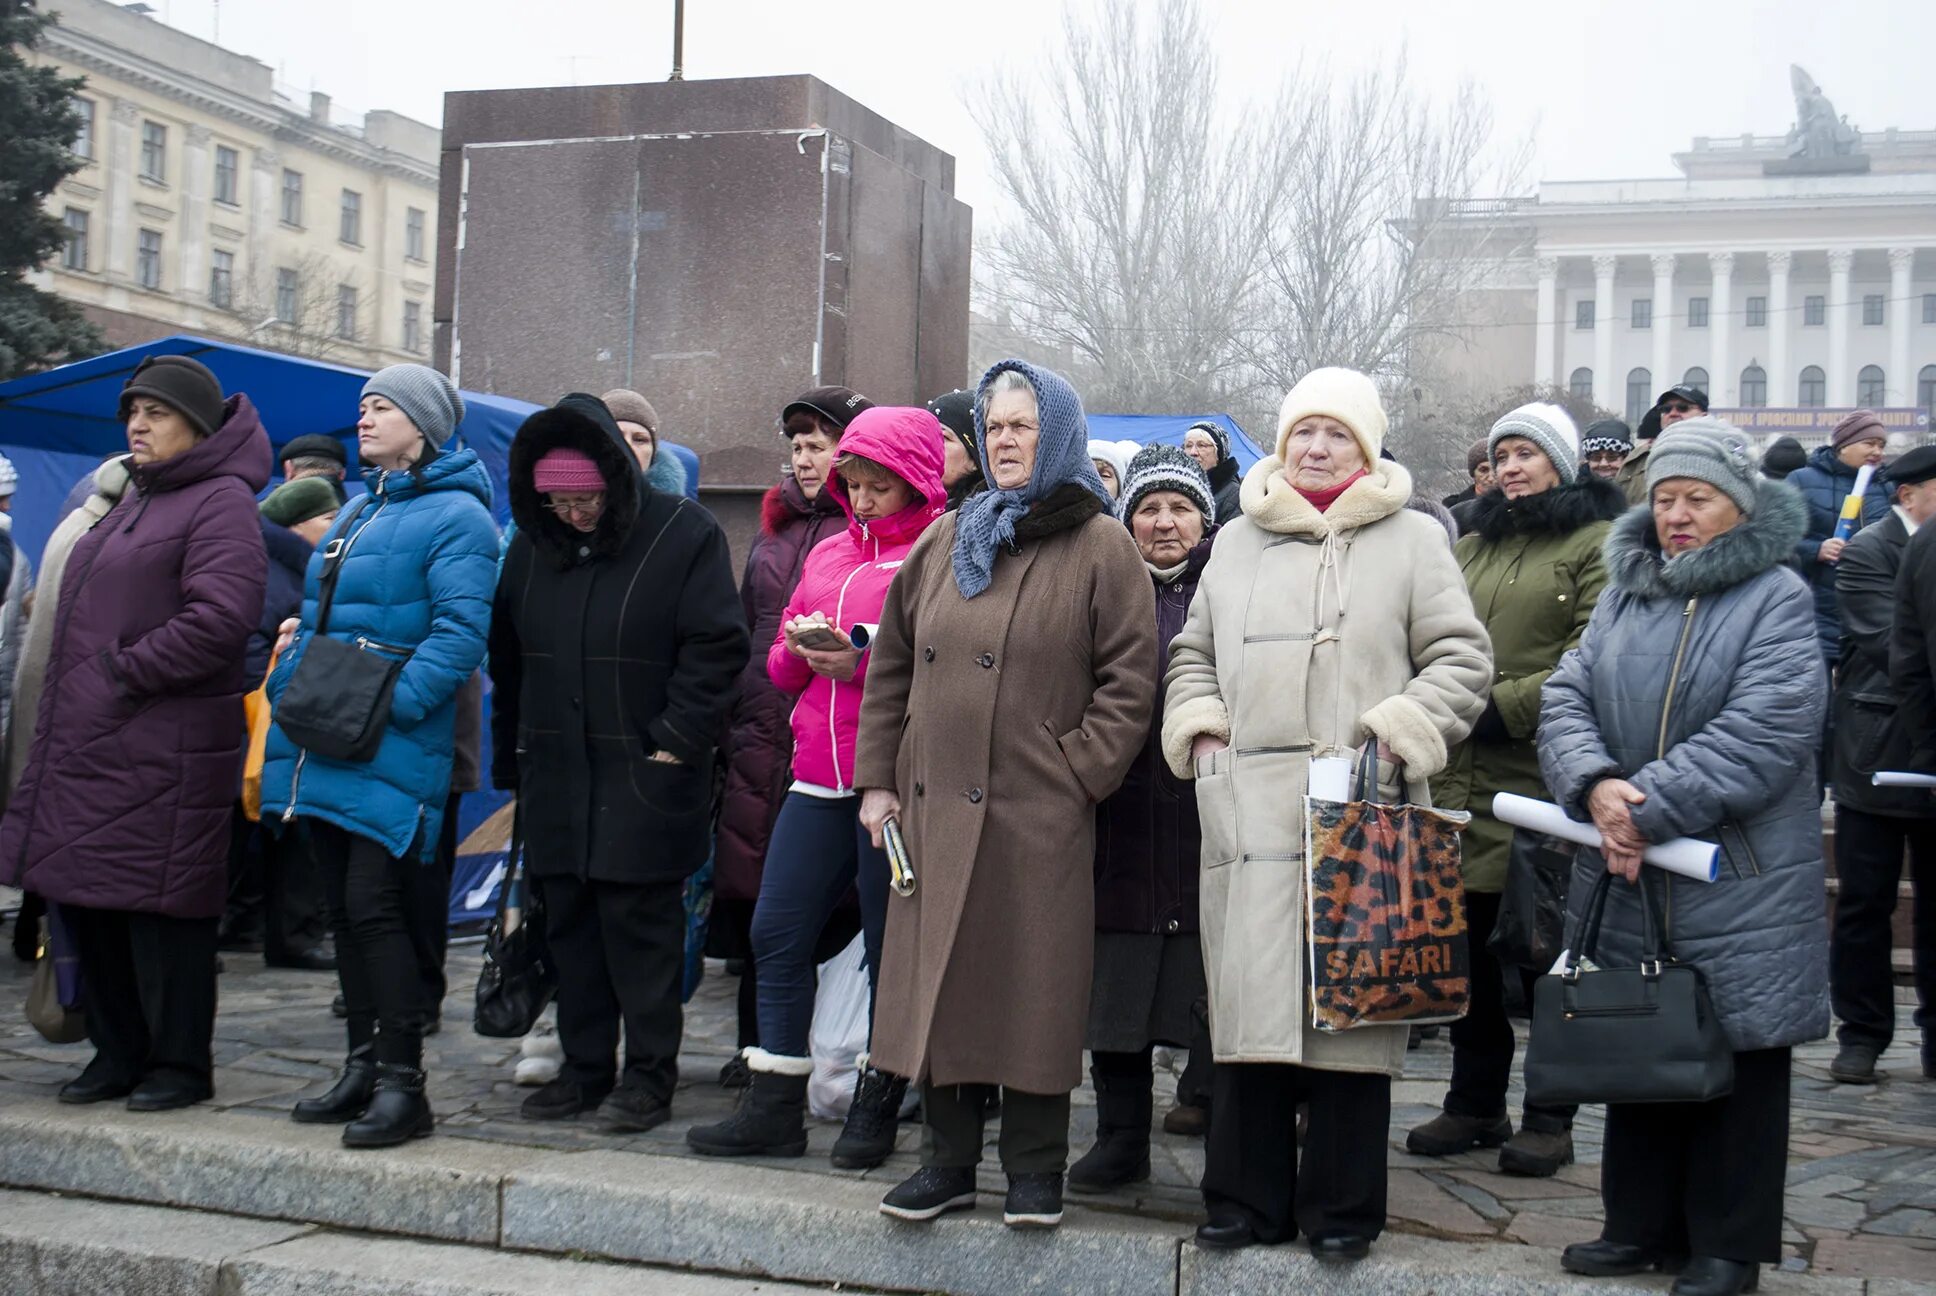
x: 1783, y: 456
x: 1607, y: 434
x: 315, y: 445
x: 956, y: 410
x: 181, y: 384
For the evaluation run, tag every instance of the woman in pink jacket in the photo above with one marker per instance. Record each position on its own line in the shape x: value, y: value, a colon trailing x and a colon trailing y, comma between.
x: 888, y: 478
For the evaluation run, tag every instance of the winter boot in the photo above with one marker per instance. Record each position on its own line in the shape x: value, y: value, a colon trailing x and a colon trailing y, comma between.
x: 398, y: 1110
x: 868, y: 1137
x: 1121, y: 1155
x: 347, y: 1098
x: 1447, y: 1134
x: 771, y: 1119
x: 1537, y: 1153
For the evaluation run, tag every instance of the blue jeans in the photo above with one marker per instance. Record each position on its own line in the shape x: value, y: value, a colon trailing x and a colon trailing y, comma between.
x: 818, y: 850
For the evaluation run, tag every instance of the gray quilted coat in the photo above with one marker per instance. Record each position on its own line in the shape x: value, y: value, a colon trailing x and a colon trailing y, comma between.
x: 1723, y: 640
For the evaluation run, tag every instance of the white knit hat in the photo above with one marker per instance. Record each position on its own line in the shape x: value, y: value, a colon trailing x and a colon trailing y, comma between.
x: 1547, y: 426
x: 9, y: 477
x: 1343, y: 394
x: 1111, y: 453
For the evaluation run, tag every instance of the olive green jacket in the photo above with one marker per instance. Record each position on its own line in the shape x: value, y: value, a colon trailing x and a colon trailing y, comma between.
x: 1534, y: 571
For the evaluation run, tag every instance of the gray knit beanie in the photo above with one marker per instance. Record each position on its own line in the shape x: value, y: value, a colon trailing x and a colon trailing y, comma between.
x: 1708, y: 450
x: 1166, y: 468
x: 1547, y: 426
x: 427, y: 398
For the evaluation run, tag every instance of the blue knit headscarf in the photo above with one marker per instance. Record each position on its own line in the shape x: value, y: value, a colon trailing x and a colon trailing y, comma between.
x: 987, y: 521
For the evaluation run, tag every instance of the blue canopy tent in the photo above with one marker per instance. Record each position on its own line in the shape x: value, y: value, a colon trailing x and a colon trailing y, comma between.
x: 59, y: 425
x: 1168, y: 429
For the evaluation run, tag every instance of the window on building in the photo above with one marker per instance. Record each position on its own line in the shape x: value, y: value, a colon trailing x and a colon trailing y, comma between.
x: 84, y: 128
x: 221, y: 279
x: 346, y: 312
x: 227, y: 175
x: 1754, y: 387
x: 154, y: 151
x: 287, y: 288
x: 1872, y: 308
x: 413, y: 327
x: 1580, y: 385
x: 1583, y: 314
x: 413, y: 233
x: 1929, y: 308
x: 1757, y: 312
x: 1640, y: 394
x: 351, y: 230
x: 1814, y: 310
x: 1869, y: 387
x: 147, y: 258
x: 74, y: 249
x: 1813, y: 389
x: 1926, y: 389
x: 292, y: 213
x: 1697, y: 312
x: 1643, y: 312
x: 1695, y: 377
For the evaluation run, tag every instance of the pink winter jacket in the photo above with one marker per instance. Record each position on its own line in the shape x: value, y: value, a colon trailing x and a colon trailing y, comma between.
x: 846, y: 578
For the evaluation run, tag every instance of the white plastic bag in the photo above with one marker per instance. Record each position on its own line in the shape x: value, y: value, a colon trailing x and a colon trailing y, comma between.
x: 839, y: 1033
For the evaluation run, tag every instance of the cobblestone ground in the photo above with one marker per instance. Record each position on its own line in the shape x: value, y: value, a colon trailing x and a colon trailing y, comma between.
x: 1861, y: 1177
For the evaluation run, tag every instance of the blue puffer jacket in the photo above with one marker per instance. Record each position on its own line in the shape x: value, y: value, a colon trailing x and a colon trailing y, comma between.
x: 1711, y: 656
x: 419, y: 575
x: 1824, y: 482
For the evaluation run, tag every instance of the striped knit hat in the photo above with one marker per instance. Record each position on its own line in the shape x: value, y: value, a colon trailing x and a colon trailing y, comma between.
x: 1547, y: 426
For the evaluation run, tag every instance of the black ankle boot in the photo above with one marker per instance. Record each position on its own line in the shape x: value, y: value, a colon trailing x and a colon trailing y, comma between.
x: 398, y: 1110
x: 1121, y: 1154
x: 771, y: 1119
x: 867, y: 1139
x: 347, y: 1098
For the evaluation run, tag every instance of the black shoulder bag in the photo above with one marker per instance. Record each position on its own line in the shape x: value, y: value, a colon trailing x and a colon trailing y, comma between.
x: 1645, y: 1034
x: 337, y: 703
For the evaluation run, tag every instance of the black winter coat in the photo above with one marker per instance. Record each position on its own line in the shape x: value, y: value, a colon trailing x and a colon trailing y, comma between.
x: 605, y: 648
x: 282, y: 599
x: 1912, y: 649
x: 759, y: 749
x: 1869, y: 734
x: 1148, y: 842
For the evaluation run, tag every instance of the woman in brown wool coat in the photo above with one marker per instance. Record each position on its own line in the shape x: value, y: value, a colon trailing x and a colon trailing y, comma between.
x: 1008, y: 692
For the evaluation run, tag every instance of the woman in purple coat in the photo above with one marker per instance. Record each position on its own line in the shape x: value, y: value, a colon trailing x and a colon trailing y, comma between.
x: 122, y: 815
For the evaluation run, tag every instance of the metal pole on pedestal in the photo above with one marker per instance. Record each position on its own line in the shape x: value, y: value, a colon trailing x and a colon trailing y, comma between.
x: 678, y: 41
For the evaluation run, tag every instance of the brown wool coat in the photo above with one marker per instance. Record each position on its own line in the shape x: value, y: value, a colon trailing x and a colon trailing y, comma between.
x: 1001, y: 721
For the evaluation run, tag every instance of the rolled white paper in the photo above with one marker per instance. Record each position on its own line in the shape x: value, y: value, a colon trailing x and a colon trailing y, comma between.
x: 1683, y: 856
x: 1900, y: 778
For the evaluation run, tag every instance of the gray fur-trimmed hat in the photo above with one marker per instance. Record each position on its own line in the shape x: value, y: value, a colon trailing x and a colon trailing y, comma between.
x: 1166, y: 468
x: 1547, y: 426
x: 1708, y: 450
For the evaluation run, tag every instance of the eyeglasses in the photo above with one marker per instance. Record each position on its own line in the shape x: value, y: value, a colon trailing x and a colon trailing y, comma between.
x: 576, y: 508
x: 1677, y: 407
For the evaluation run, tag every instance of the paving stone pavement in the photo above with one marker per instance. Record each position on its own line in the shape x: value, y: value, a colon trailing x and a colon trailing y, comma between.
x: 1861, y: 1198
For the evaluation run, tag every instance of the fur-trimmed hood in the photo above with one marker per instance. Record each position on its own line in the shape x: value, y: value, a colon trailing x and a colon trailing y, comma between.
x: 1559, y: 511
x: 785, y: 503
x: 1271, y: 502
x: 578, y: 422
x: 667, y: 475
x: 1763, y: 539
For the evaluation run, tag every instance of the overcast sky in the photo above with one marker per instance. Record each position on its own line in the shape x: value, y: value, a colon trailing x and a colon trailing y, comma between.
x: 1608, y: 89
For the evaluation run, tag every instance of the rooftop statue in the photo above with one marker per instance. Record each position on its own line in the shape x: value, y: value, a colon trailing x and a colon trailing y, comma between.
x: 1818, y: 132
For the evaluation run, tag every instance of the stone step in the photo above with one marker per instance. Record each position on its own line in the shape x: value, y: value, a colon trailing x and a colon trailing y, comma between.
x: 52, y: 1245
x: 465, y: 1208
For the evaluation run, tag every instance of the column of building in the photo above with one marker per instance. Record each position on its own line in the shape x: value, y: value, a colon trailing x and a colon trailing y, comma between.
x: 1723, y: 382
x: 1607, y: 394
x: 1901, y: 307
x: 1781, y: 383
x: 1840, y: 385
x: 196, y: 180
x: 1543, y: 362
x: 1662, y: 322
x: 117, y: 231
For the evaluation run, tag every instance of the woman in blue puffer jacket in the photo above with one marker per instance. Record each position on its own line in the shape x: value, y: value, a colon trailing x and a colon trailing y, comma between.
x: 418, y: 570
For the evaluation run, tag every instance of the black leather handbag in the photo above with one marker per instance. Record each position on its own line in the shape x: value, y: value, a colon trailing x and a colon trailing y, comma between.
x: 337, y: 703
x: 1645, y: 1034
x: 1531, y: 928
x: 518, y: 978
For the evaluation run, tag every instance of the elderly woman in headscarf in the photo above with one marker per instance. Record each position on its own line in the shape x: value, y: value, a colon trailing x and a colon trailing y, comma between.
x: 1330, y: 616
x: 1008, y: 692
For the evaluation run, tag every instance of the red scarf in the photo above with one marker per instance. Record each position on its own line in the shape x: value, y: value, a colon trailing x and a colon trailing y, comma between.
x: 1322, y: 500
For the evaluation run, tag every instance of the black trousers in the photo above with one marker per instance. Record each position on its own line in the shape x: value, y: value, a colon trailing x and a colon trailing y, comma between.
x: 1703, y: 1178
x: 150, y: 1000
x: 1251, y: 1165
x: 1482, y: 1040
x: 428, y: 894
x: 367, y: 890
x: 272, y: 890
x: 1869, y: 852
x: 620, y: 951
x: 1035, y: 1128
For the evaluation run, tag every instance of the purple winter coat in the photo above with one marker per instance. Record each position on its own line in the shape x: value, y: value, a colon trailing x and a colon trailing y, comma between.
x: 759, y: 751
x: 1148, y: 840
x: 137, y: 754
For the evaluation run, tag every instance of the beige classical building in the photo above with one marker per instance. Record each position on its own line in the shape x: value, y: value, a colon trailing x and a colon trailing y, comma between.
x: 211, y: 203
x: 1791, y: 276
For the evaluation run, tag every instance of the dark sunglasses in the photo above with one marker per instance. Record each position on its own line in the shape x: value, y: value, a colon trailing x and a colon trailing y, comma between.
x: 1677, y: 407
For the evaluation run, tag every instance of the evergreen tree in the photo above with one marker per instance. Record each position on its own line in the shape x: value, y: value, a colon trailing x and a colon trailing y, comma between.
x: 37, y: 329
